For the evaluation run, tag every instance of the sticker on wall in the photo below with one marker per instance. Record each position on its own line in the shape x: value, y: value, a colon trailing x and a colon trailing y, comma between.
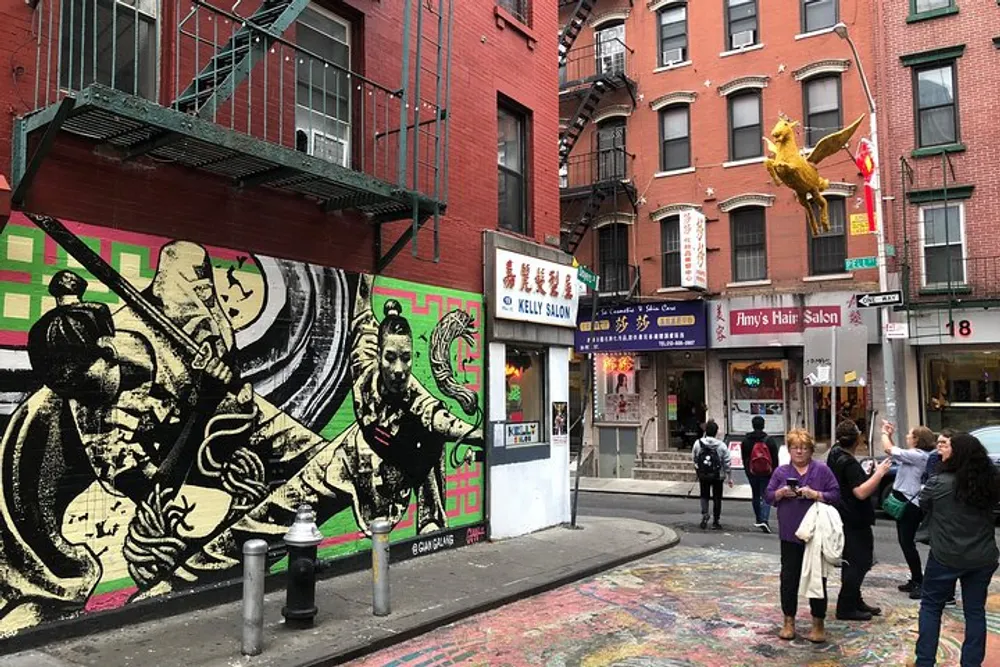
x: 165, y: 401
x: 523, y: 433
x: 560, y: 423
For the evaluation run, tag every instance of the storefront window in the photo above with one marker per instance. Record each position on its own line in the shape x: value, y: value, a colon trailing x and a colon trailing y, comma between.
x: 525, y: 391
x: 617, y: 394
x: 757, y: 388
x: 962, y: 389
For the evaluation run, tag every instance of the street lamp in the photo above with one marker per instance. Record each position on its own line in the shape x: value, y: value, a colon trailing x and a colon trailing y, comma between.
x: 888, y: 366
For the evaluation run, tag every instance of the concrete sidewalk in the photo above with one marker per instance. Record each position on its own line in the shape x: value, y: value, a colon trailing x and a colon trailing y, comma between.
x: 427, y: 592
x: 652, y: 487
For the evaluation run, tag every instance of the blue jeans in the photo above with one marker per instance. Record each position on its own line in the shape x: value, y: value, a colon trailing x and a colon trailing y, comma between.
x: 758, y: 485
x: 938, y: 587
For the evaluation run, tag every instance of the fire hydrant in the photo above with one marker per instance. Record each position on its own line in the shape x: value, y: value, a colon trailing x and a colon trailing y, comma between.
x: 300, y: 596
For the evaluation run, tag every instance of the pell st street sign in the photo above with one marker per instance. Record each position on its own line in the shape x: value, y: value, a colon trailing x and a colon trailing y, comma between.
x: 856, y: 263
x: 587, y: 277
x: 876, y: 299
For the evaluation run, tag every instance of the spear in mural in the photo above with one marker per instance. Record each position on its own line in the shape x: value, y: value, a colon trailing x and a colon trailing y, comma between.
x: 171, y: 472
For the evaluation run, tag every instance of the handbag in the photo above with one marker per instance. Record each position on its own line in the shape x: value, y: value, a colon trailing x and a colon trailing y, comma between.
x: 894, y: 506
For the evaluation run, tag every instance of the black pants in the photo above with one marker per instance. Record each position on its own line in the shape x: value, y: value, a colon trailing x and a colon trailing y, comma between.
x: 791, y: 571
x: 713, y: 486
x: 906, y: 531
x: 859, y: 547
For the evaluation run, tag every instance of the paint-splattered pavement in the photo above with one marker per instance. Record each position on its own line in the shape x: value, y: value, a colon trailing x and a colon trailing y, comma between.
x: 683, y: 608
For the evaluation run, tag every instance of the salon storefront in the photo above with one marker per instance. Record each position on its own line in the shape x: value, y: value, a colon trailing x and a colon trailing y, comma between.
x: 530, y: 316
x: 958, y: 365
x: 649, y: 380
x: 776, y: 356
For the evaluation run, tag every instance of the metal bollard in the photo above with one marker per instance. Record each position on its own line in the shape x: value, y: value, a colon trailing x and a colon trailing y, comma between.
x: 300, y: 594
x: 254, y: 556
x: 381, y: 605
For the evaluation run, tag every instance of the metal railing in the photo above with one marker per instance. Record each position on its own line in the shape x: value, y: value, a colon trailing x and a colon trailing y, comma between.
x: 229, y: 67
x: 607, y: 60
x: 618, y: 280
x: 602, y: 166
x: 969, y: 278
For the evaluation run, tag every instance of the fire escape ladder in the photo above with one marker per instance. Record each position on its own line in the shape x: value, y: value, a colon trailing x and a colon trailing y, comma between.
x: 580, y: 119
x: 576, y: 233
x: 234, y: 60
x: 572, y: 30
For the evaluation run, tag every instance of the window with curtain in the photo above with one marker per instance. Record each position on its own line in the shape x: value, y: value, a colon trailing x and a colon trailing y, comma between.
x: 745, y: 130
x: 675, y: 138
x: 942, y: 244
x: 611, y: 150
x: 818, y: 14
x: 612, y: 250
x: 673, y: 34
x: 749, y: 244
x: 937, y: 106
x: 670, y: 242
x: 741, y: 23
x: 822, y: 108
x: 512, y: 195
x: 828, y: 251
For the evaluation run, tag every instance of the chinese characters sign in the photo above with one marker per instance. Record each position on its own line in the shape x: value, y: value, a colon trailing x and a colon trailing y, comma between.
x: 529, y: 289
x: 644, y: 327
x: 694, y: 274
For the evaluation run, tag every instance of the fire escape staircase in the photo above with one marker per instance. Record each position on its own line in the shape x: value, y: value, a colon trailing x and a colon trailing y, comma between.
x: 581, y: 12
x: 574, y: 235
x: 584, y: 113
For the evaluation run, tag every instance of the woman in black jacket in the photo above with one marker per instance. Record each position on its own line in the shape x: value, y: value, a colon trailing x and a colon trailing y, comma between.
x: 959, y: 504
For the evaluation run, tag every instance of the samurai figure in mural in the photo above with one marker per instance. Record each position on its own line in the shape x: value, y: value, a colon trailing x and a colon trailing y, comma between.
x: 148, y: 402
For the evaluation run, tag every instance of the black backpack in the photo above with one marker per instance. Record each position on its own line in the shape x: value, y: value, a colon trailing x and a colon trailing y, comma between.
x: 709, y: 463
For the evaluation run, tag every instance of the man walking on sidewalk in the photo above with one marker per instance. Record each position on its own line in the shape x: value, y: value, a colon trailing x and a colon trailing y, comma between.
x: 760, y: 458
x: 712, y: 463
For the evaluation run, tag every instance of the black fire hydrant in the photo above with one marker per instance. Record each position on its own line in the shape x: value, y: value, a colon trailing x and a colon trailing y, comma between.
x: 300, y: 596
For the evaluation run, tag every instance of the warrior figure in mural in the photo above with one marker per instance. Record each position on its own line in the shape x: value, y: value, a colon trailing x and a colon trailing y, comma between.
x: 207, y: 462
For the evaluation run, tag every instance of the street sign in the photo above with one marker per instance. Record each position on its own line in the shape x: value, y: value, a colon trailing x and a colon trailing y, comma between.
x: 587, y: 277
x: 855, y: 263
x: 876, y: 299
x: 897, y: 330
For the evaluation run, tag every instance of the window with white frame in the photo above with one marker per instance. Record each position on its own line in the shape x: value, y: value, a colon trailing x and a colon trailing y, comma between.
x: 673, y: 35
x: 609, y: 44
x: 937, y: 107
x: 818, y: 14
x: 111, y: 42
x: 745, y: 128
x: 749, y: 244
x: 828, y: 250
x: 942, y: 236
x: 323, y: 86
x: 670, y: 243
x: 675, y: 138
x: 822, y: 102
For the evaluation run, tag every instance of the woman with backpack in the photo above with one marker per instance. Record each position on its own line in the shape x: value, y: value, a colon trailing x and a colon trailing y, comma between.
x: 713, y: 466
x: 959, y: 504
x: 760, y: 458
x: 904, y: 506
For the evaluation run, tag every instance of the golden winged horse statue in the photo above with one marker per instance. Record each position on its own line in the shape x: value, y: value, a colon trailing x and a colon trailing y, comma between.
x: 789, y: 167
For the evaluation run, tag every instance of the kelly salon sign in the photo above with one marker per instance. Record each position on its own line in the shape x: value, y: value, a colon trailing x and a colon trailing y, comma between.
x: 529, y: 289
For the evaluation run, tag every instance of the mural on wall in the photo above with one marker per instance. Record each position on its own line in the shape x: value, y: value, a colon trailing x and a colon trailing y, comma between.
x: 161, y: 402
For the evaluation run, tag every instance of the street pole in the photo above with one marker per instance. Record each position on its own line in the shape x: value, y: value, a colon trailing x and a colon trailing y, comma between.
x: 888, y: 356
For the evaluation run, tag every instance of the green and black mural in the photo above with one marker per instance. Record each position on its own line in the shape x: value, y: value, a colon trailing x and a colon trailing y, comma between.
x: 162, y: 401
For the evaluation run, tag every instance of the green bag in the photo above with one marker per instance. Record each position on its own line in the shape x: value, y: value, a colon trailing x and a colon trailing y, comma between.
x: 894, y: 506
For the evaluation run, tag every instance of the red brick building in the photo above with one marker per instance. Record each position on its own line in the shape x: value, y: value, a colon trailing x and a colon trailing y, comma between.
x: 938, y: 139
x: 684, y: 94
x: 268, y: 219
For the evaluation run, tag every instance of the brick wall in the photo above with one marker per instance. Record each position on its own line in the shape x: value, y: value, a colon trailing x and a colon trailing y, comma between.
x: 490, y: 57
x: 779, y: 57
x: 974, y: 25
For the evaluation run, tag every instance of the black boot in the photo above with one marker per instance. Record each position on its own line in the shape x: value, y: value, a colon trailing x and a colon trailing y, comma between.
x: 874, y: 611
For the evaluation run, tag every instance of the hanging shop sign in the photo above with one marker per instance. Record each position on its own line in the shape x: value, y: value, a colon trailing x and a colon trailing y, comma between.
x: 529, y: 289
x: 644, y: 327
x: 694, y: 271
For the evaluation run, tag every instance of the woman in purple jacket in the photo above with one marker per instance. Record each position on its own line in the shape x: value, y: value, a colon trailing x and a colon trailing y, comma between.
x: 793, y: 489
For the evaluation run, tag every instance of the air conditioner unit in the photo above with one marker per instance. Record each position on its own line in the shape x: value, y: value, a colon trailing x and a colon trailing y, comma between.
x: 742, y: 39
x: 673, y: 56
x: 327, y: 147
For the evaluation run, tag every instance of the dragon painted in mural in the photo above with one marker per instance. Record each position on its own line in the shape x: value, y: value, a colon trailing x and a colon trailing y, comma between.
x: 788, y: 167
x: 148, y: 401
